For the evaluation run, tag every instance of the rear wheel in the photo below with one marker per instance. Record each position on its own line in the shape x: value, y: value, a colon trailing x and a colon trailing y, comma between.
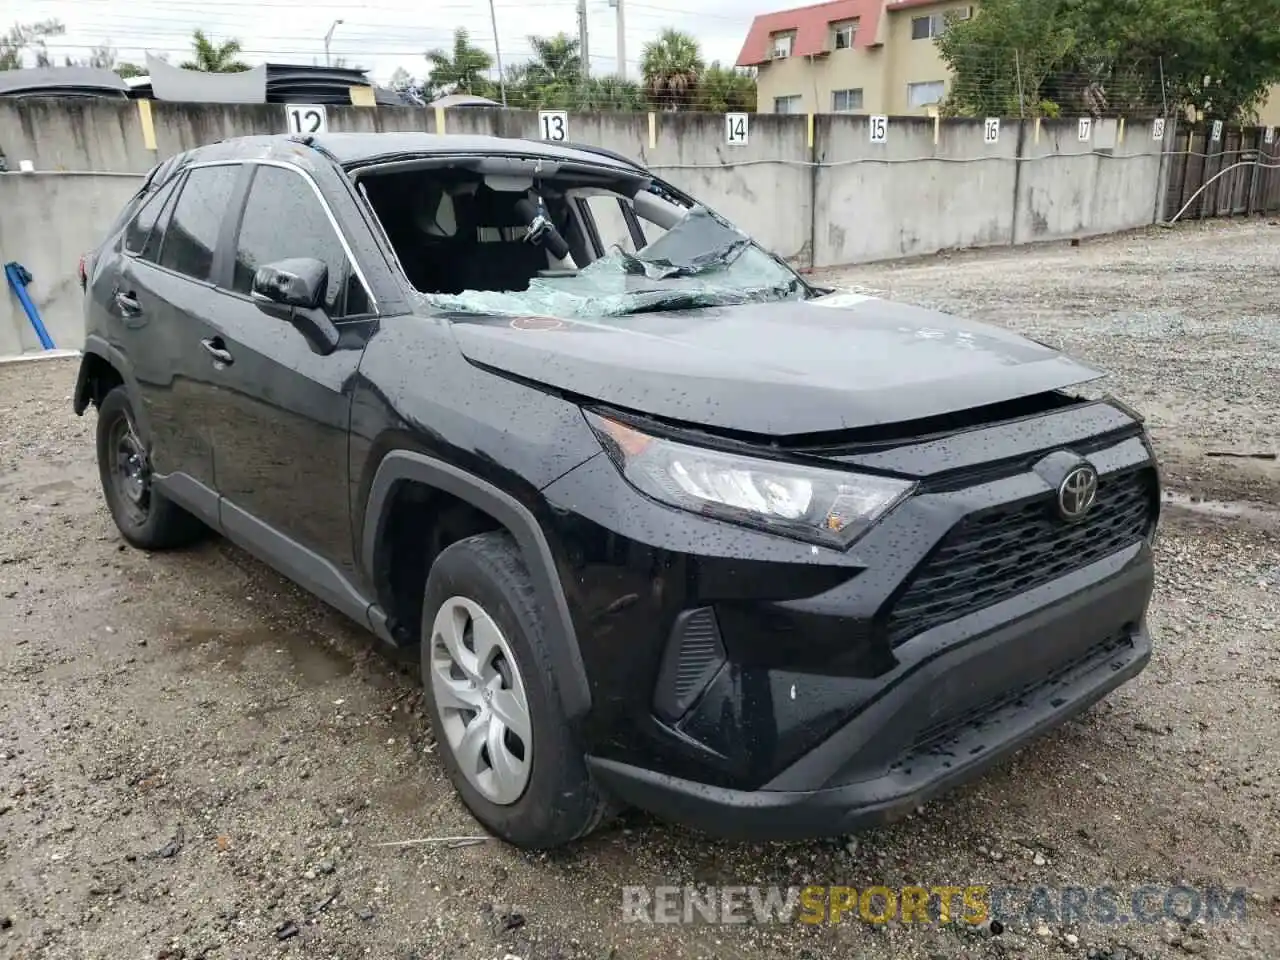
x: 144, y: 516
x: 494, y: 700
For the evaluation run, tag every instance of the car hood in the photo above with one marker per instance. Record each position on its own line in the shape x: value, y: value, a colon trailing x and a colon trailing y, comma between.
x: 838, y: 362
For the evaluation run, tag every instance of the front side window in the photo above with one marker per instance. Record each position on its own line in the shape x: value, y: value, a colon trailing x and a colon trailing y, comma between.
x: 192, y: 233
x: 925, y: 94
x: 284, y: 219
x: 845, y: 100
x: 137, y: 235
x: 790, y: 104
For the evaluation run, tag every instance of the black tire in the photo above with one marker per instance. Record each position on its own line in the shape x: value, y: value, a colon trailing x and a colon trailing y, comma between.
x: 145, y: 518
x: 560, y: 802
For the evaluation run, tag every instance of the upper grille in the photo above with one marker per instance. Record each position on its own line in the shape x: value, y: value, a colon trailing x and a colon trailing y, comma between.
x: 998, y: 553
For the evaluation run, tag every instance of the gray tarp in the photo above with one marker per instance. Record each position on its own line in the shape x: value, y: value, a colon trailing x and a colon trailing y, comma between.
x: 194, y: 86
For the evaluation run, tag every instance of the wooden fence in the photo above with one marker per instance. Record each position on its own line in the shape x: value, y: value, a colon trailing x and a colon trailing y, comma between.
x: 1248, y: 160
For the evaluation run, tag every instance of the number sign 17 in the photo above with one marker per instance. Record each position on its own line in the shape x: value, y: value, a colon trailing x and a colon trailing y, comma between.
x: 307, y: 117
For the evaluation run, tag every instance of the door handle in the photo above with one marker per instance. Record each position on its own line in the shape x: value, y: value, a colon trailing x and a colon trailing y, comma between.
x: 128, y: 304
x: 218, y: 350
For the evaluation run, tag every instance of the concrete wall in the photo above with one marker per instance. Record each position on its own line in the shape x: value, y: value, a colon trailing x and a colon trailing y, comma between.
x: 840, y: 200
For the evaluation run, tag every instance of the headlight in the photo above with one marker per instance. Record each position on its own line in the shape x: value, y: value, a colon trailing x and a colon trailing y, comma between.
x: 808, y: 503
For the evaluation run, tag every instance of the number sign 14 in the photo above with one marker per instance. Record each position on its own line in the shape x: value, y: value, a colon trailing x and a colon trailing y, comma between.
x: 736, y: 129
x: 554, y: 124
x: 306, y: 117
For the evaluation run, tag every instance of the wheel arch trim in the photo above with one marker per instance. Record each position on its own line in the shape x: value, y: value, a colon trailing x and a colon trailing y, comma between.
x: 399, y: 466
x: 97, y: 346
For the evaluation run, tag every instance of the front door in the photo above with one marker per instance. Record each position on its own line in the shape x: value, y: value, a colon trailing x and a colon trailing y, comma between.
x: 282, y: 409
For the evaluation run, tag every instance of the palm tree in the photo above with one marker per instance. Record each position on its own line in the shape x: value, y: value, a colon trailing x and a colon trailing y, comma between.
x: 214, y: 58
x: 608, y: 93
x: 461, y: 71
x: 671, y: 66
x: 557, y: 60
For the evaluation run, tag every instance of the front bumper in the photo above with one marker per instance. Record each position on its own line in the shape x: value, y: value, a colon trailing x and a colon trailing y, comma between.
x: 953, y: 712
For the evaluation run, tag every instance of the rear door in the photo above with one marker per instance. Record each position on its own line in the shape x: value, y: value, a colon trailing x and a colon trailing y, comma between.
x: 282, y: 410
x: 164, y: 299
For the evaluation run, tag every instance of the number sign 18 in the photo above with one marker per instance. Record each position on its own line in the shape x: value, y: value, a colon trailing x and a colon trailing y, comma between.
x: 735, y: 129
x: 306, y: 117
x: 1157, y: 128
x: 879, y: 127
x: 554, y: 124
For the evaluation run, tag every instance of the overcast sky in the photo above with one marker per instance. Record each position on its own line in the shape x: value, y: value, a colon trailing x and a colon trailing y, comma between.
x: 381, y: 34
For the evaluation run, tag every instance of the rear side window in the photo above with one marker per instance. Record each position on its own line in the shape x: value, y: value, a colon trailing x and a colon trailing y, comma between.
x: 283, y: 218
x: 192, y: 233
x: 141, y: 226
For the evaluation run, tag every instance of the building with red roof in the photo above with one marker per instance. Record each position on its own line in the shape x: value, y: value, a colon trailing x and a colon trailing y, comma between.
x: 851, y: 56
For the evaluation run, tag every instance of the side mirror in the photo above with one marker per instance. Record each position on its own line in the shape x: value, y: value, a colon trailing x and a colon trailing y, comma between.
x: 294, y: 290
x: 301, y: 282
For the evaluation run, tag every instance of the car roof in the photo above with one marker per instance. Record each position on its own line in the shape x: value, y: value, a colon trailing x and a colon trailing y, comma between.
x: 355, y: 149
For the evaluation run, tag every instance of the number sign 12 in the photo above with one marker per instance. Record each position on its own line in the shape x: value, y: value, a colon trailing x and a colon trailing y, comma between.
x: 735, y: 129
x: 879, y: 128
x: 307, y: 117
x: 554, y: 124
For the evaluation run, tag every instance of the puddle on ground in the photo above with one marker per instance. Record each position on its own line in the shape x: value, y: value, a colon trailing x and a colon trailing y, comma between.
x: 305, y: 653
x: 1231, y: 510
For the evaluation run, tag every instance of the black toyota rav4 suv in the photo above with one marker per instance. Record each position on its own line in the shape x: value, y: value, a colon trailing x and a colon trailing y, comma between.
x: 671, y: 526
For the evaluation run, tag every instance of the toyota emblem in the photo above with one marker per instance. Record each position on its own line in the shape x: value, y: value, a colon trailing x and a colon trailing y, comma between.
x: 1076, y: 493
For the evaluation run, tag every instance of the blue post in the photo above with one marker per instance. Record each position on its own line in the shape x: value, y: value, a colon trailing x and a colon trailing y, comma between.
x: 18, y: 279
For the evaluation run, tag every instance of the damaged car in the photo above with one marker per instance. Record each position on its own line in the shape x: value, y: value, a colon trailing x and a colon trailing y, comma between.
x: 668, y: 525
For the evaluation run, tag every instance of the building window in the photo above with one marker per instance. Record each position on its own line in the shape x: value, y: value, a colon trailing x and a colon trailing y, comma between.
x: 925, y: 93
x: 782, y: 45
x: 789, y: 104
x: 843, y: 34
x: 845, y: 100
x: 934, y: 25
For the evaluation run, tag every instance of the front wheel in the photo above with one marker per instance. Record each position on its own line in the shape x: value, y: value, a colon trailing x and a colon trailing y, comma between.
x: 144, y: 516
x: 494, y: 701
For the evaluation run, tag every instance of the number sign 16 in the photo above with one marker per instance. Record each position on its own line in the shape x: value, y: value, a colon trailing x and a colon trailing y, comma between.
x: 306, y: 117
x: 554, y: 124
x: 991, y: 130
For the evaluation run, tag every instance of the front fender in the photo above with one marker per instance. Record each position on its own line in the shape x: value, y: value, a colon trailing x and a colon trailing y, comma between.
x: 404, y: 465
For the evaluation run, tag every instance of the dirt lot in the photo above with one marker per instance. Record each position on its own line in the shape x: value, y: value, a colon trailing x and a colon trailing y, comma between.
x: 198, y: 760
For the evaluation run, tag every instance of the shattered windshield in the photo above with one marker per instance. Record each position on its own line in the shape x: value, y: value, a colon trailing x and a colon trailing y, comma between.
x: 702, y: 261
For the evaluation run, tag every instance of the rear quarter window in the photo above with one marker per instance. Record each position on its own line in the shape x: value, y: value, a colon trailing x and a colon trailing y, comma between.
x: 144, y: 221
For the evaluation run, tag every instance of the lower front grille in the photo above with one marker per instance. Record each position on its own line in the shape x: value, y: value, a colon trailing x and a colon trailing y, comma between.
x: 938, y: 736
x: 999, y: 553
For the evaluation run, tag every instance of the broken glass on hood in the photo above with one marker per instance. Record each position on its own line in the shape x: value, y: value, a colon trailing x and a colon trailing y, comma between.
x: 702, y: 261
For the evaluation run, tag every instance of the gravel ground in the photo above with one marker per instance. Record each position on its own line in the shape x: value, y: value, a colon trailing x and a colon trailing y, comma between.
x: 198, y: 760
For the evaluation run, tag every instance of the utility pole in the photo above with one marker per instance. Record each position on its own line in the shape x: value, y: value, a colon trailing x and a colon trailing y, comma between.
x: 327, y: 37
x: 621, y: 22
x: 502, y: 77
x: 583, y: 47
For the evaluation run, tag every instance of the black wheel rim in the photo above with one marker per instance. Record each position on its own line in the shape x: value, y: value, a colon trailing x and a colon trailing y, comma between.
x: 129, y: 471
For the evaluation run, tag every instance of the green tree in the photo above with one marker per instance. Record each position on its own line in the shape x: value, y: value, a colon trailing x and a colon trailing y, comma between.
x: 127, y: 70
x: 461, y: 70
x: 213, y: 57
x: 28, y: 37
x: 724, y: 89
x: 672, y: 65
x: 557, y: 61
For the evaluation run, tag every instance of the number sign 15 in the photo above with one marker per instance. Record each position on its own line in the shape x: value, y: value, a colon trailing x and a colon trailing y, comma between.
x: 879, y: 128
x: 554, y: 124
x: 306, y: 117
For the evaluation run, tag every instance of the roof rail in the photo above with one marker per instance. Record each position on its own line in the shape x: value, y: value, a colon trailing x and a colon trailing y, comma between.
x: 602, y: 151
